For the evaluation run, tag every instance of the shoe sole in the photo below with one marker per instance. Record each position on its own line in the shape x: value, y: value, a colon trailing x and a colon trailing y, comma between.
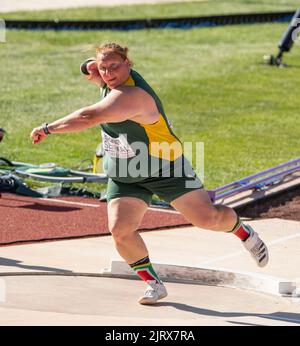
x: 145, y: 301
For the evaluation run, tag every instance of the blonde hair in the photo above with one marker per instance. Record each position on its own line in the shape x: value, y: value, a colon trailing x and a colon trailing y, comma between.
x: 110, y: 48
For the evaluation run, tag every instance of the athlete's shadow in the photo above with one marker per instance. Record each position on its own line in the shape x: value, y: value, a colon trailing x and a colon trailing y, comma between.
x: 18, y: 264
x: 278, y: 316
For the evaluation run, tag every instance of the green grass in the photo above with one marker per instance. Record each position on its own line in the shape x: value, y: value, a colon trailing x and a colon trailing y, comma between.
x: 187, y: 8
x: 212, y: 82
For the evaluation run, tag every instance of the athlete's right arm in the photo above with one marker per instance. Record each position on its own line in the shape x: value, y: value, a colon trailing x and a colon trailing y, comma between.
x: 122, y: 103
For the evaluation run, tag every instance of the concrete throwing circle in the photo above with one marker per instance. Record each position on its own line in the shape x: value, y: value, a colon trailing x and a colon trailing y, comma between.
x: 83, y: 300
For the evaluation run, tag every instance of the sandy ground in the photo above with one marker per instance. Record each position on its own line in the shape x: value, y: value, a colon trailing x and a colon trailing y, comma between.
x: 29, y: 5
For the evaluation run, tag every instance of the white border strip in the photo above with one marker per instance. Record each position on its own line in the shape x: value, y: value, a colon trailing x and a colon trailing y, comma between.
x: 2, y: 291
x: 2, y: 31
x: 98, y: 206
x: 69, y: 202
x: 164, y: 210
x: 212, y: 276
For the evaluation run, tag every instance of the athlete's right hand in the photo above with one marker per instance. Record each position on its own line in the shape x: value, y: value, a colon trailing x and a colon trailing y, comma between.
x: 37, y: 135
x: 94, y: 75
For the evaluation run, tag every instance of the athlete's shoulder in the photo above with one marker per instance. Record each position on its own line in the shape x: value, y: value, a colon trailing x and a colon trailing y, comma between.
x: 135, y: 74
x: 139, y: 80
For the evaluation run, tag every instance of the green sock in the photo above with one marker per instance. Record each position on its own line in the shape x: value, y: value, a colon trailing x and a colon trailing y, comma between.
x: 143, y: 268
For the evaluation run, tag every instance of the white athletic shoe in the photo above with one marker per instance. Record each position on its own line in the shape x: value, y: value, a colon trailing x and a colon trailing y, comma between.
x: 154, y: 292
x: 257, y: 248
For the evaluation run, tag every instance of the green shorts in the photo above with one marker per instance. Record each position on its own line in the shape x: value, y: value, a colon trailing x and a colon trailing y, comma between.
x: 166, y: 188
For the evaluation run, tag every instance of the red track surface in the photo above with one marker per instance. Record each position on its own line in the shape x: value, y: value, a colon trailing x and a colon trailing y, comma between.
x: 32, y: 219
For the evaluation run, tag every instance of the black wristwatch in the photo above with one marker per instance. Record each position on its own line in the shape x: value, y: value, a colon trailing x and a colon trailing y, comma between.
x: 46, y: 130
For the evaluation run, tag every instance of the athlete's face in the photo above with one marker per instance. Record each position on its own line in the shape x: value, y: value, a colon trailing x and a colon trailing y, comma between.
x: 113, y: 69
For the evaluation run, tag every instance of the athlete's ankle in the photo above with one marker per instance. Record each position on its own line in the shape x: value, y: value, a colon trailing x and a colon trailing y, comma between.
x: 240, y: 230
x: 143, y: 268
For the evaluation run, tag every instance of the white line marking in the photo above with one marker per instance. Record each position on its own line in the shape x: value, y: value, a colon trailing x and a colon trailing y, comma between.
x: 98, y: 206
x: 238, y: 253
x: 222, y: 258
x: 281, y: 240
x: 68, y: 202
x: 163, y: 210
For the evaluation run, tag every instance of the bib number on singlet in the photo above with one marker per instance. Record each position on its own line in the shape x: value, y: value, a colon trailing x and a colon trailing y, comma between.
x: 117, y: 147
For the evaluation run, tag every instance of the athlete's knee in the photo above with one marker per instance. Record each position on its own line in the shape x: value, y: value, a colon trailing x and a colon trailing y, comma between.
x: 121, y: 232
x: 209, y: 219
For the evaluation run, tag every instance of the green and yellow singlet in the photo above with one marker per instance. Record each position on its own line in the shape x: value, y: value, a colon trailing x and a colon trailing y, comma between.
x: 133, y: 151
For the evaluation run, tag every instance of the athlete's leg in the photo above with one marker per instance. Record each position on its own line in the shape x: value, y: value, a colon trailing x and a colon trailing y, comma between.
x: 124, y: 217
x: 197, y: 208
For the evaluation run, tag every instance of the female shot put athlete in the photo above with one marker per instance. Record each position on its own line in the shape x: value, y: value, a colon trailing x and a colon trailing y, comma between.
x: 134, y: 124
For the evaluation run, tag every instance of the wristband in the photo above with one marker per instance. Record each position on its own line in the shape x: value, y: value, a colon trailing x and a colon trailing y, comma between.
x: 46, y: 130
